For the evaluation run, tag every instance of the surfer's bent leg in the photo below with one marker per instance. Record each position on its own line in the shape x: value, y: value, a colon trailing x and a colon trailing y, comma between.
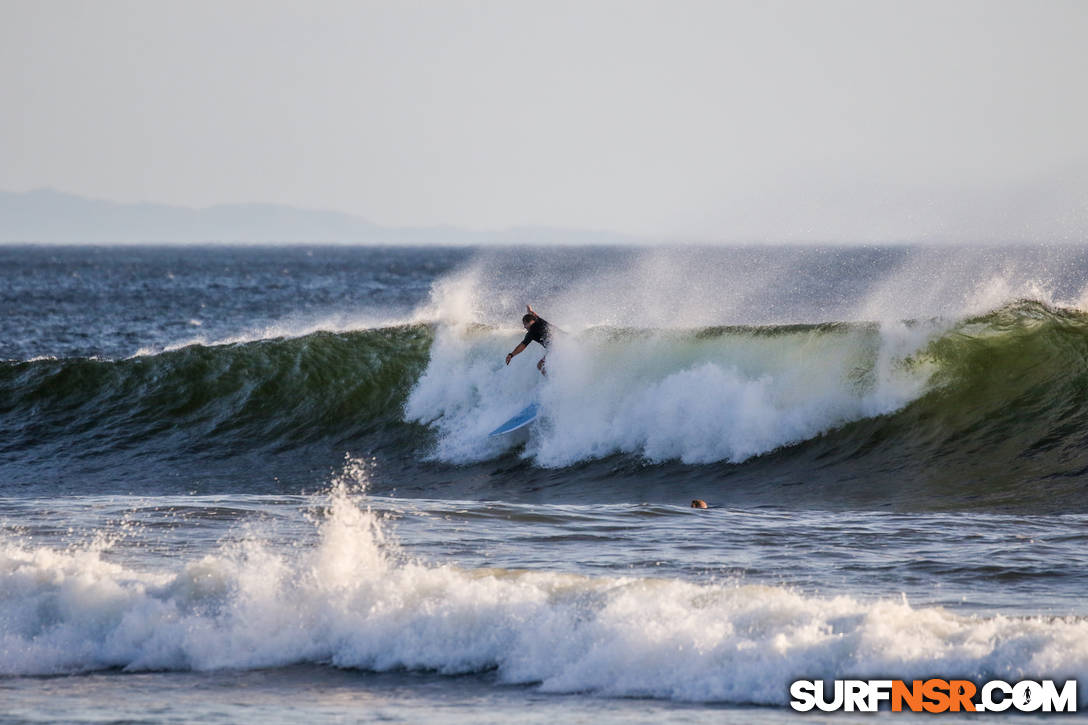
x: 540, y: 367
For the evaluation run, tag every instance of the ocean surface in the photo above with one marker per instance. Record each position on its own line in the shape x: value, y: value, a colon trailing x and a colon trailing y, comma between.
x: 255, y: 484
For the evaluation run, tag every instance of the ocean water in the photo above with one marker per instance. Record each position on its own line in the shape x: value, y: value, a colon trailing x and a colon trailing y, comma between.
x: 255, y: 484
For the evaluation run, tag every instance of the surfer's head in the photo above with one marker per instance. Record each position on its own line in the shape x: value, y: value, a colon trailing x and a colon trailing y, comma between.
x: 528, y: 320
x: 698, y: 503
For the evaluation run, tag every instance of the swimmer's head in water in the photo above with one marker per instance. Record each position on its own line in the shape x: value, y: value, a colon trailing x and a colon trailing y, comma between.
x: 698, y: 503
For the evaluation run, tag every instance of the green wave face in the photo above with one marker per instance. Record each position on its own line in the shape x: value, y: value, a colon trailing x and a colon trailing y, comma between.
x: 998, y: 417
x: 1006, y: 416
x: 222, y: 400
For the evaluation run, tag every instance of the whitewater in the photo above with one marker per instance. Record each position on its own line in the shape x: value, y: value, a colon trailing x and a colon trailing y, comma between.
x: 231, y: 479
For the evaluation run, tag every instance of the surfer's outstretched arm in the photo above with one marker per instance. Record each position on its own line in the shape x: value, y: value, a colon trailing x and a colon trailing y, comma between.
x: 516, y: 351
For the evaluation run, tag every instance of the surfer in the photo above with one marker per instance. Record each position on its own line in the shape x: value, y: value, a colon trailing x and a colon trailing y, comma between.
x: 536, y: 328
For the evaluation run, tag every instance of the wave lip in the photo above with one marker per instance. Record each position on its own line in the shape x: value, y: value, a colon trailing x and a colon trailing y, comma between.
x: 221, y: 400
x: 354, y: 600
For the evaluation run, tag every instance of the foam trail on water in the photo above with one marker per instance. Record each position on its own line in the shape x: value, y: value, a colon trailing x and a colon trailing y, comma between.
x: 353, y: 600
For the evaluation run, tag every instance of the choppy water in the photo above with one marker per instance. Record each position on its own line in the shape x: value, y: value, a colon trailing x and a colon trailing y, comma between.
x: 233, y: 478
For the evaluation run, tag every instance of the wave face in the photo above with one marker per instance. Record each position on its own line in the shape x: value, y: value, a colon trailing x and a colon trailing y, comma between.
x: 211, y: 403
x: 987, y: 412
x: 351, y: 599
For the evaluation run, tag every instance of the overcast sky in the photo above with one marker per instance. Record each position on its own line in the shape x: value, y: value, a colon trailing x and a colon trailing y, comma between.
x: 847, y: 120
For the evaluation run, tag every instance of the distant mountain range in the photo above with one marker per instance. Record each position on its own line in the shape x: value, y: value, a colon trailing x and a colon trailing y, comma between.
x: 48, y: 216
x: 1047, y: 209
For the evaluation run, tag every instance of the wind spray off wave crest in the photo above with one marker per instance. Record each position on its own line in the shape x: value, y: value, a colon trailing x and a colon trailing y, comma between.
x: 703, y: 355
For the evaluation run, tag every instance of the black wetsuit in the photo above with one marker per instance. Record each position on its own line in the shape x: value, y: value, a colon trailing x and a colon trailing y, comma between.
x: 539, y: 331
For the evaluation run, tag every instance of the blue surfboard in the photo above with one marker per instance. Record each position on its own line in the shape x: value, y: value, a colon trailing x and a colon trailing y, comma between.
x: 522, y: 419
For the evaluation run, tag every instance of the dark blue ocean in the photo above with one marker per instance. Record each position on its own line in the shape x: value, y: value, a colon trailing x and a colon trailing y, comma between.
x: 256, y: 483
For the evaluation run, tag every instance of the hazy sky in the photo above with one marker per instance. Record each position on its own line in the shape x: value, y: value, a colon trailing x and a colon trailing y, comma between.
x: 681, y: 120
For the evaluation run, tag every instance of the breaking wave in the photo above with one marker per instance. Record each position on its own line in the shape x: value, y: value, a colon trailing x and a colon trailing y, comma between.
x: 350, y: 598
x: 907, y: 408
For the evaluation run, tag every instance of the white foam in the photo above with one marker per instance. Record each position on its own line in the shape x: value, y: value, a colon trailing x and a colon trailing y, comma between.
x: 355, y: 601
x: 663, y: 395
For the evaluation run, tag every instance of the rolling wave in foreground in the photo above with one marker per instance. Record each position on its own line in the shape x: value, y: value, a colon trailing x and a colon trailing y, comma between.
x: 355, y: 600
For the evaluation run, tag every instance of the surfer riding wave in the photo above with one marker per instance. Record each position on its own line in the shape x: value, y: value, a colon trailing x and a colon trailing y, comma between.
x: 536, y: 328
